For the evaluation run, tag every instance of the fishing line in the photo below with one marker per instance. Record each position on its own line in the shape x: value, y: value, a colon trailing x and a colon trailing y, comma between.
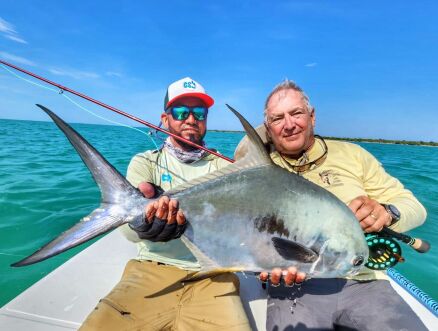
x: 27, y: 80
x: 118, y: 111
x: 111, y: 121
x: 150, y: 134
x: 61, y: 92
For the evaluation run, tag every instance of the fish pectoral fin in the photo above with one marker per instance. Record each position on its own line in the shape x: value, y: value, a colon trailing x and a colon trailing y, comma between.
x: 291, y: 250
x: 205, y: 262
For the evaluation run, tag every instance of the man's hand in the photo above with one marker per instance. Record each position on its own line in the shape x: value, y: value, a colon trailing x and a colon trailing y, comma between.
x: 290, y: 276
x: 150, y: 190
x: 163, y: 219
x: 372, y: 215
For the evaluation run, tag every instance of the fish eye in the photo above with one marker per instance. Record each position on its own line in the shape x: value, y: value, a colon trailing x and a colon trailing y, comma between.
x: 358, y: 261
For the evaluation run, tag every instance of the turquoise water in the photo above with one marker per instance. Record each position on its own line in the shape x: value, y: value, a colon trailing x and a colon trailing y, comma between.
x: 45, y: 189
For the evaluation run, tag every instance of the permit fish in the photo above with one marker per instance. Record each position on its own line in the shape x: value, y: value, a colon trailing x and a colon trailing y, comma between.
x: 251, y: 215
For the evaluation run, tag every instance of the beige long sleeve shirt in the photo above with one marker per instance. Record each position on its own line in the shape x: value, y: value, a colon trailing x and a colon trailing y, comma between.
x: 350, y: 171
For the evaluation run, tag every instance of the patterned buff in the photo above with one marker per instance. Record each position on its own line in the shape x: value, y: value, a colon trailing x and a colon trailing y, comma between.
x: 182, y: 155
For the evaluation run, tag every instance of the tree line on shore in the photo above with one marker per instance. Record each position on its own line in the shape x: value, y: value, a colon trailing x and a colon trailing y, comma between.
x: 369, y: 140
x: 387, y: 141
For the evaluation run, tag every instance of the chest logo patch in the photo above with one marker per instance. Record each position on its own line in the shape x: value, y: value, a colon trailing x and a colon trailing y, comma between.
x: 166, y: 177
x: 330, y: 178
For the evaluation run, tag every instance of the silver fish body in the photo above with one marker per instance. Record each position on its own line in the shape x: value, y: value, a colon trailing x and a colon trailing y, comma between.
x: 234, y: 218
x: 252, y: 215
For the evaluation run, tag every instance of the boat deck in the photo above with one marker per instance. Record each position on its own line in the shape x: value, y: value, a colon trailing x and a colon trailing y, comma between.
x: 64, y: 298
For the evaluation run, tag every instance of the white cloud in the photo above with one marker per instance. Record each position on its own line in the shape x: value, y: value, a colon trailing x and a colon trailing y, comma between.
x: 113, y: 73
x: 17, y: 39
x: 6, y: 27
x: 313, y: 64
x: 16, y: 59
x: 9, y: 32
x: 76, y: 74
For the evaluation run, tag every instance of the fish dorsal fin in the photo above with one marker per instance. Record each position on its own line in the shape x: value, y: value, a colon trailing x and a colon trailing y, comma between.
x: 291, y: 250
x: 257, y: 151
x: 109, y: 180
x: 256, y: 155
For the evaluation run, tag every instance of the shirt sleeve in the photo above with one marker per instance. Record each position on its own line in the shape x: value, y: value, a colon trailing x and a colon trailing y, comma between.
x: 140, y: 169
x: 386, y: 189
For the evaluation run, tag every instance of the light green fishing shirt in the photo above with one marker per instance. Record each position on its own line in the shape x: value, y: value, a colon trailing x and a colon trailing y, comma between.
x: 163, y: 169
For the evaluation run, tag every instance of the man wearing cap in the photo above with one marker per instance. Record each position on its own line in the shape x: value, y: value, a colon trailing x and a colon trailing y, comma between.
x: 161, y: 289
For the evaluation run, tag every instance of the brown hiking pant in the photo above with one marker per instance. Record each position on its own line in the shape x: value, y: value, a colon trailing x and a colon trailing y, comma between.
x: 152, y: 296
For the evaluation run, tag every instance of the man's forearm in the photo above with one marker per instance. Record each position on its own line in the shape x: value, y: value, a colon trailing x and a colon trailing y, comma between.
x: 412, y: 213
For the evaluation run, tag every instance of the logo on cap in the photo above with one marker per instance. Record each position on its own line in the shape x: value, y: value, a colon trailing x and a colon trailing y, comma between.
x: 186, y: 87
x: 191, y: 84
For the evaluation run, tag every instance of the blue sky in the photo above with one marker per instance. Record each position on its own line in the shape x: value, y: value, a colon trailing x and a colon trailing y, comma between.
x: 370, y: 68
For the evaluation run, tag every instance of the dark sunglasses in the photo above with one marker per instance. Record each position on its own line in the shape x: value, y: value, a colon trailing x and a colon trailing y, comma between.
x: 181, y: 113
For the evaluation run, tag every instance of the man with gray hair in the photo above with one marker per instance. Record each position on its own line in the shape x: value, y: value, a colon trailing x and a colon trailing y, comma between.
x: 367, y: 301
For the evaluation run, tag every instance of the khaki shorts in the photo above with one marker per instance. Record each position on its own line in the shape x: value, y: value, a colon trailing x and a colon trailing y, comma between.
x: 151, y: 296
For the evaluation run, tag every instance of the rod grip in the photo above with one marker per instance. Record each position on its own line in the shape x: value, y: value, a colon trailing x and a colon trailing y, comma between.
x: 421, y: 246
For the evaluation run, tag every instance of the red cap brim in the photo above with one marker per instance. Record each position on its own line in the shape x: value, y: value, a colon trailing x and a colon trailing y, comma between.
x: 204, y: 97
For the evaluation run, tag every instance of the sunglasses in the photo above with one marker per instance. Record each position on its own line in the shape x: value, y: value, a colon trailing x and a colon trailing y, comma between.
x: 181, y: 113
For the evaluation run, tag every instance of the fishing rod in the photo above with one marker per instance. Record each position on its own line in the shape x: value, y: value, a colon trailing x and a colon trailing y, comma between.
x: 132, y: 117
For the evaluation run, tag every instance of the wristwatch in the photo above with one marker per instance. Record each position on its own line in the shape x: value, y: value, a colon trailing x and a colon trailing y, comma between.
x: 393, y: 212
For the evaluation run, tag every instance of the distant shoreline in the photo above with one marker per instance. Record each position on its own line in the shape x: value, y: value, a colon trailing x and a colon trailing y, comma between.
x: 387, y: 141
x: 364, y: 140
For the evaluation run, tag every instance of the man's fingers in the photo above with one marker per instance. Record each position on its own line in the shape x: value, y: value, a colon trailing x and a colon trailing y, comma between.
x: 275, y: 276
x: 147, y: 189
x: 180, y: 218
x: 363, y: 212
x: 173, y: 211
x: 150, y: 210
x: 264, y: 276
x: 290, y: 276
x: 163, y: 207
x: 374, y: 223
x: 356, y: 203
x: 301, y: 277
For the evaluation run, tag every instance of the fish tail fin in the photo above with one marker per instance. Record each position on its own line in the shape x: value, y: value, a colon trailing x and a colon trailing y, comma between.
x: 114, y: 190
x: 91, y: 226
x: 109, y: 180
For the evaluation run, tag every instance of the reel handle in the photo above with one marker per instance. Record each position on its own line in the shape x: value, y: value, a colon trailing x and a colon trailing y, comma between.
x: 420, y: 245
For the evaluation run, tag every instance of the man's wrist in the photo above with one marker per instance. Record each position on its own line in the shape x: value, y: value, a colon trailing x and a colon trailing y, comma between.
x: 393, y: 212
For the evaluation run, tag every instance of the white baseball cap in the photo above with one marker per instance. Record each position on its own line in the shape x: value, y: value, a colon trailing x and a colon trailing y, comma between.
x: 186, y: 87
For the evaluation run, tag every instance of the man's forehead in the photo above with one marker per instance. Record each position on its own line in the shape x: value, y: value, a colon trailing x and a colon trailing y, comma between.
x: 189, y: 101
x: 286, y: 100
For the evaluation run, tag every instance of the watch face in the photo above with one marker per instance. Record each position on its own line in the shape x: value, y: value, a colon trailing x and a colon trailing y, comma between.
x: 394, y: 211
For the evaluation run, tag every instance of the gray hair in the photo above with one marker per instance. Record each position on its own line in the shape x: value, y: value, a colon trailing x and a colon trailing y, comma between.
x: 283, y: 86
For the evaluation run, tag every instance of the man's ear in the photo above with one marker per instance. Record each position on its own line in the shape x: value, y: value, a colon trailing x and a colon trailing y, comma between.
x: 165, y: 120
x: 268, y: 134
x: 313, y: 117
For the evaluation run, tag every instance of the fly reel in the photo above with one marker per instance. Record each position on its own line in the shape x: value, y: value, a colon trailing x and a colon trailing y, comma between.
x: 385, y: 252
